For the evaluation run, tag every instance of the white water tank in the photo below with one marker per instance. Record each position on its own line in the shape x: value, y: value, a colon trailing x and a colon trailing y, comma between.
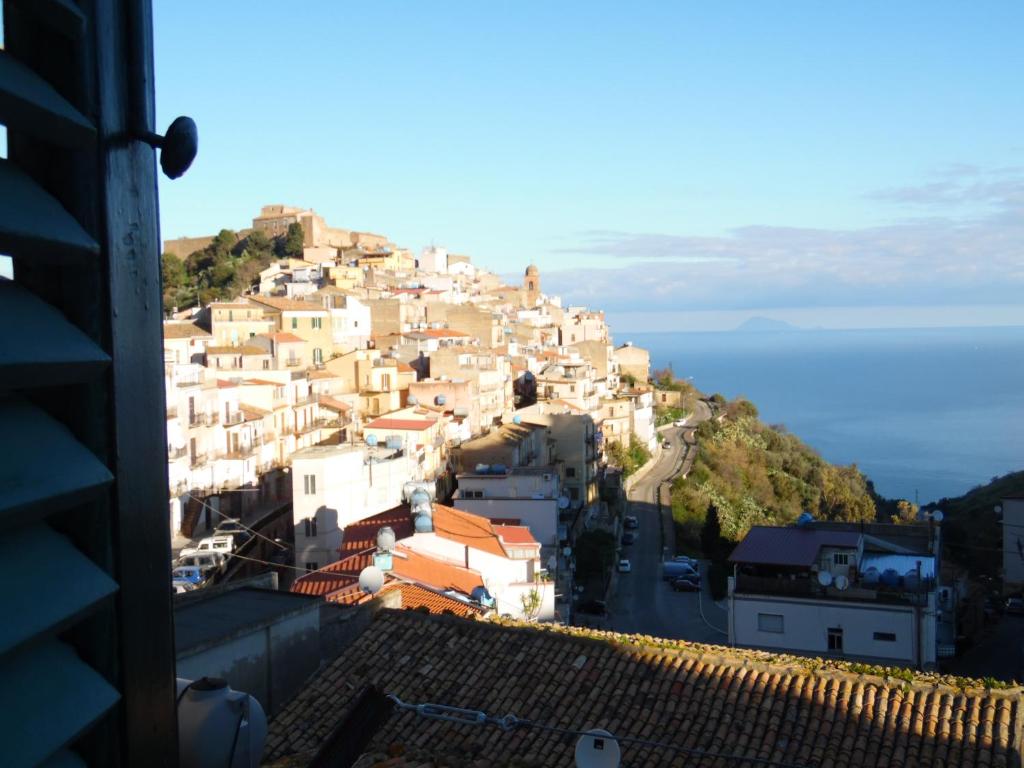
x: 217, y: 726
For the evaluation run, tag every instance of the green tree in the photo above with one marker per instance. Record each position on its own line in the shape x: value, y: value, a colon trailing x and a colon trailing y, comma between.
x: 224, y: 242
x: 531, y: 604
x: 294, y: 241
x: 711, y: 533
x: 174, y: 274
x: 906, y: 512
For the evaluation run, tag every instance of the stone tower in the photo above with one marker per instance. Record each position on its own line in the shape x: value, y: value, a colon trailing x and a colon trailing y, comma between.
x: 531, y: 286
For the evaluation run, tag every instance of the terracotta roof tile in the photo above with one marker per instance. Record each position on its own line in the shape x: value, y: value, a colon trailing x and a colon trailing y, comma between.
x: 744, y: 704
x: 334, y: 405
x: 286, y: 338
x: 415, y: 596
x: 466, y: 528
x: 409, y: 425
x: 515, y: 534
x: 173, y: 330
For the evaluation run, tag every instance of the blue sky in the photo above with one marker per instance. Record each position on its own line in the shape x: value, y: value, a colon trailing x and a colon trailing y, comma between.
x: 670, y: 162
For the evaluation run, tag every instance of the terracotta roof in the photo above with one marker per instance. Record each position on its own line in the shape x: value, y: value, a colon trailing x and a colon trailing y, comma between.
x: 252, y: 413
x: 334, y: 405
x: 316, y: 375
x: 248, y: 349
x: 409, y: 425
x: 262, y: 383
x: 414, y: 596
x: 741, y: 703
x: 466, y: 528
x: 223, y: 384
x: 286, y: 338
x: 773, y: 545
x: 406, y: 368
x: 406, y: 564
x: 362, y: 535
x: 174, y: 330
x: 288, y: 305
x: 442, y: 333
x: 515, y: 534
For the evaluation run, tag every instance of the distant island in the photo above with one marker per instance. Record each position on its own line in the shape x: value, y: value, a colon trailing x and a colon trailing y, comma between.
x: 765, y: 324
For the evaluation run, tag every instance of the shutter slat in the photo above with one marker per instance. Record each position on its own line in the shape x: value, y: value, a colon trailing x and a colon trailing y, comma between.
x: 53, y: 597
x: 29, y: 103
x: 59, y: 353
x: 33, y: 224
x: 60, y: 15
x: 49, y: 696
x: 45, y: 469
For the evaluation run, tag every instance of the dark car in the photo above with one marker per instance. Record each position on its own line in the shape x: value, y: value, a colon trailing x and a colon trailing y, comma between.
x: 628, y: 538
x: 1015, y: 605
x: 593, y: 607
x: 685, y: 585
x: 235, y: 530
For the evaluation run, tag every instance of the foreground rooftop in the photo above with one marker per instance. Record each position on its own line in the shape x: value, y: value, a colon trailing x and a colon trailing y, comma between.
x: 739, y: 703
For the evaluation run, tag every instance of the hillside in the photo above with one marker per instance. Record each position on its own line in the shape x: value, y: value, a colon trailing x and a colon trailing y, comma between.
x: 225, y: 268
x: 971, y: 530
x: 755, y: 474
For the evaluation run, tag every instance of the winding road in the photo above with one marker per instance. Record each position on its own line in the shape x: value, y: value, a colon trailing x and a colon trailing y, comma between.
x: 643, y: 602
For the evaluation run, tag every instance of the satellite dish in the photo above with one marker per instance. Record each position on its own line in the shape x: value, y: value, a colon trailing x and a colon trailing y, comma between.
x: 371, y: 579
x: 386, y: 539
x: 824, y: 578
x: 563, y: 502
x: 597, y: 749
x: 938, y: 515
x: 842, y: 582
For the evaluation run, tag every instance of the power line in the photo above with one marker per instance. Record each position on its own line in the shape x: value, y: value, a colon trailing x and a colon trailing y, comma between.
x: 253, y: 531
x: 463, y: 716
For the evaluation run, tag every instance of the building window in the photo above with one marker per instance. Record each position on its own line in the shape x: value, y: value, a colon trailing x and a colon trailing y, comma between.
x: 309, y: 483
x: 266, y: 365
x: 841, y: 558
x: 570, y: 471
x: 318, y: 355
x: 835, y: 639
x: 312, y: 565
x: 886, y: 637
x: 770, y: 622
x: 310, y: 523
x: 473, y: 494
x: 295, y: 323
x: 231, y: 316
x: 574, y: 493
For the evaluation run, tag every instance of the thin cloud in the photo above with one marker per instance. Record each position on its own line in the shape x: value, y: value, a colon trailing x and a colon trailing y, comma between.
x: 938, y: 259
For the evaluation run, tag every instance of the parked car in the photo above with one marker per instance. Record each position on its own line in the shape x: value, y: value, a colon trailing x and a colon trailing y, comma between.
x: 674, y: 569
x: 191, y: 574
x: 594, y: 607
x: 1015, y: 605
x: 222, y: 544
x: 207, y: 562
x: 181, y: 587
x: 625, y: 566
x: 628, y: 538
x: 666, y: 444
x: 233, y: 528
x: 684, y: 559
x: 683, y: 584
x: 631, y: 522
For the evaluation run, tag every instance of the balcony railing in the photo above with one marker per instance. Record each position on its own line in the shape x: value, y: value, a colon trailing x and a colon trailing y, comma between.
x: 198, y: 460
x: 203, y: 419
x: 292, y: 362
x: 233, y: 418
x: 173, y: 454
x: 810, y: 588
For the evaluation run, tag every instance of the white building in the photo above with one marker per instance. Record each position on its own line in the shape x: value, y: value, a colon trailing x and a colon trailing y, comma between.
x: 433, y: 259
x: 841, y: 590
x: 1013, y: 544
x: 529, y: 495
x: 334, y: 486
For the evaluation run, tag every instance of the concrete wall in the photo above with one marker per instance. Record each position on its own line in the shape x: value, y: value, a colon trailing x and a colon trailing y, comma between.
x: 539, y: 515
x: 270, y: 662
x: 806, y: 624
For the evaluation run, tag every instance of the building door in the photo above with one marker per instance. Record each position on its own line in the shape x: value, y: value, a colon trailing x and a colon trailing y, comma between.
x: 192, y: 451
x: 191, y: 410
x: 835, y: 639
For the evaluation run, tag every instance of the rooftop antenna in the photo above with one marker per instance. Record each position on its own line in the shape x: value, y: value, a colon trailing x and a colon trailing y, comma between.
x: 597, y: 749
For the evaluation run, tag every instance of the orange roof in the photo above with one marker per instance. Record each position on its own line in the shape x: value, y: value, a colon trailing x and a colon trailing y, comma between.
x: 466, y: 528
x: 287, y: 305
x: 408, y: 425
x: 515, y: 534
x: 414, y: 596
x: 252, y: 413
x: 334, y: 405
x: 322, y: 375
x: 362, y: 535
x: 222, y: 384
x: 406, y: 368
x: 286, y: 338
x: 406, y: 564
x: 441, y: 333
x: 261, y: 382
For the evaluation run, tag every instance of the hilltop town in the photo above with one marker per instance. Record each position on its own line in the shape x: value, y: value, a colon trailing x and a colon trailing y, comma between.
x: 341, y: 382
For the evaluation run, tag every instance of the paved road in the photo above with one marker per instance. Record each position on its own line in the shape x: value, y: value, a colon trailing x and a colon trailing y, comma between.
x: 643, y: 603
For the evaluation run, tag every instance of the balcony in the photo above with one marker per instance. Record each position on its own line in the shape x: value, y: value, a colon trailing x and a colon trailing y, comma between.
x: 198, y: 460
x: 808, y: 587
x: 173, y: 454
x: 292, y: 362
x: 203, y: 419
x: 232, y: 419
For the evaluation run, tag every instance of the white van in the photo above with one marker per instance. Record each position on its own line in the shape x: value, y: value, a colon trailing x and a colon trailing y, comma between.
x: 222, y: 544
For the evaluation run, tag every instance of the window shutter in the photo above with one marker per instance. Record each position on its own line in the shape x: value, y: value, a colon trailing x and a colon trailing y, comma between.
x: 86, y: 645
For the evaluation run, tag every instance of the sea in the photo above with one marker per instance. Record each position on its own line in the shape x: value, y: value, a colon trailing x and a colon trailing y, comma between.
x: 925, y: 413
